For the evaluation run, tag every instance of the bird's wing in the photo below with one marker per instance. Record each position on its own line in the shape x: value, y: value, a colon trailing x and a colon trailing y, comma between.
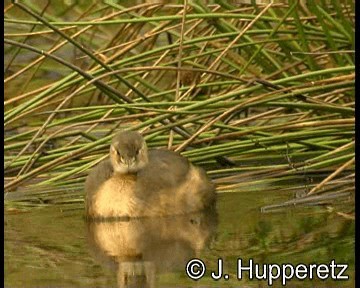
x: 166, y: 169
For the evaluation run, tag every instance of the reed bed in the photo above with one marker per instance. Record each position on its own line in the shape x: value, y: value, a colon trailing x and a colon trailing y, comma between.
x: 259, y: 94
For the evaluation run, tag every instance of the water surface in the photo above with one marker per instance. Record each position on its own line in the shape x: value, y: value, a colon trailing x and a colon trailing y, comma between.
x: 52, y: 246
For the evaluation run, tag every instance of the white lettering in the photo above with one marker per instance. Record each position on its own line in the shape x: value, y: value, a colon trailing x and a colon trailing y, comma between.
x: 241, y: 268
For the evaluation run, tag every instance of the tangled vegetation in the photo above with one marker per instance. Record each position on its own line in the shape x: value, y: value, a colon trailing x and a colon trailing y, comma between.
x: 259, y: 94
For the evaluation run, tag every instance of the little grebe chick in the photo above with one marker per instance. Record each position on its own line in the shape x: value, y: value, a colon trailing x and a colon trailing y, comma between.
x: 137, y: 182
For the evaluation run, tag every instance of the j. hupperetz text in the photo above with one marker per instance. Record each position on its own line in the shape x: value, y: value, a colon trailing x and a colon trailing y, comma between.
x: 196, y: 269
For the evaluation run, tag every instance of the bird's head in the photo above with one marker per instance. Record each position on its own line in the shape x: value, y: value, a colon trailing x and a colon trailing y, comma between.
x: 128, y: 152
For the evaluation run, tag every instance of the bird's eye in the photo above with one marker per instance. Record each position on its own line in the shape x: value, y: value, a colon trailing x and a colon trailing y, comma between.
x: 137, y: 152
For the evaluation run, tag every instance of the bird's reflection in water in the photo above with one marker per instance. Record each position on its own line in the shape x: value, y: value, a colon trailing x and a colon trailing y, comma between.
x: 140, y: 249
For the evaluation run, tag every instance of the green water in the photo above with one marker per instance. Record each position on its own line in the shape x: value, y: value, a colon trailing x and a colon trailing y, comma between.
x: 53, y: 247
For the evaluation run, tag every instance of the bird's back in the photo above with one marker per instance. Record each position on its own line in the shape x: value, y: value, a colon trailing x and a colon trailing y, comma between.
x: 165, y: 169
x: 171, y: 184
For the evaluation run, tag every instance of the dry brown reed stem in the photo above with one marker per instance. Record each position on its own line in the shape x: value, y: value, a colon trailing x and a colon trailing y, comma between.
x: 27, y: 94
x: 180, y: 53
x: 341, y: 148
x: 346, y: 215
x: 179, y: 56
x: 7, y: 8
x: 37, y: 33
x: 324, y: 52
x: 331, y: 176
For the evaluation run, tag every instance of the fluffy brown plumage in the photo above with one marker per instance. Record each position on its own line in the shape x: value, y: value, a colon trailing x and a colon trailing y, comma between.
x: 136, y: 182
